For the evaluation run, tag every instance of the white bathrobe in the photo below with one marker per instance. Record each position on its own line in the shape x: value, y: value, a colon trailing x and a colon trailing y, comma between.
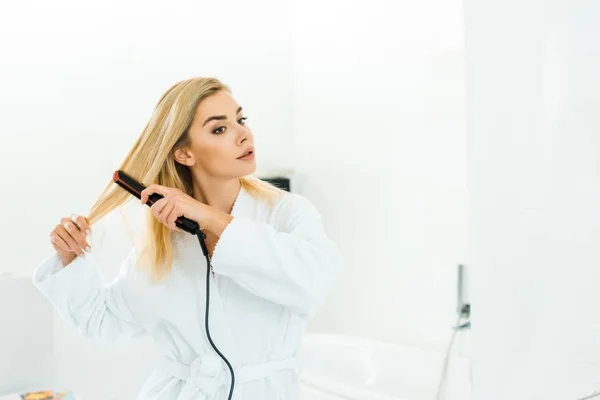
x: 272, y: 271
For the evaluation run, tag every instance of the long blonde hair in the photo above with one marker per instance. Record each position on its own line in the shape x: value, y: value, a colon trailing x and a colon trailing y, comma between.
x: 151, y: 160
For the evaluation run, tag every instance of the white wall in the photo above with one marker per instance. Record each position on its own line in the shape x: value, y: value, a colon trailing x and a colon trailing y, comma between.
x: 534, y: 190
x: 367, y: 107
x: 379, y: 130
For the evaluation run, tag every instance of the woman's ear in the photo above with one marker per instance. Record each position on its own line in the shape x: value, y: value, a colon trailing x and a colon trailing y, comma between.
x: 184, y: 157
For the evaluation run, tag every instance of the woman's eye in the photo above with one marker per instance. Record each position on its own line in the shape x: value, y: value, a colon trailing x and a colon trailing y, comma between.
x: 216, y: 131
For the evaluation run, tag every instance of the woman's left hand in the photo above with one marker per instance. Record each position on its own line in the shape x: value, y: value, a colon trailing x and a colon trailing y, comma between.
x: 175, y: 204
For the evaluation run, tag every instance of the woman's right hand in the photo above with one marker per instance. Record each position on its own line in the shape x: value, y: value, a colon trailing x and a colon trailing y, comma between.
x: 69, y: 237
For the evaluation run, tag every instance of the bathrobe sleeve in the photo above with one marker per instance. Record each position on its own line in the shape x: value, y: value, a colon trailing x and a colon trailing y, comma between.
x: 291, y: 262
x: 99, y: 311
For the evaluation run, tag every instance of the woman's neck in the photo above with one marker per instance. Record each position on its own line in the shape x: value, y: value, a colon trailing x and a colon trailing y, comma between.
x: 218, y: 194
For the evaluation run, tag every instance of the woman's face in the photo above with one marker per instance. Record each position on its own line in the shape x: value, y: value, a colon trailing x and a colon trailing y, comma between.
x: 219, y: 135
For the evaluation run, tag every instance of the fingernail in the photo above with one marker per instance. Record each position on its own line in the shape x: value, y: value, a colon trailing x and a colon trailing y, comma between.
x: 88, y: 232
x: 88, y: 249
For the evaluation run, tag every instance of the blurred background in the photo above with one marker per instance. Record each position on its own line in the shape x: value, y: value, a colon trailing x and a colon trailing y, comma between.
x: 429, y: 135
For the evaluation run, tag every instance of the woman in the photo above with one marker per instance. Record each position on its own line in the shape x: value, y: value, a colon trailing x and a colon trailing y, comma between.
x: 272, y: 262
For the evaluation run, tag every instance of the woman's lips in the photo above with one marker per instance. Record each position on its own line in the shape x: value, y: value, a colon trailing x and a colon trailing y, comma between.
x: 249, y: 157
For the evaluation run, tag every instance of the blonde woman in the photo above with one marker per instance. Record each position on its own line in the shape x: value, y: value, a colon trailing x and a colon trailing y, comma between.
x: 272, y: 262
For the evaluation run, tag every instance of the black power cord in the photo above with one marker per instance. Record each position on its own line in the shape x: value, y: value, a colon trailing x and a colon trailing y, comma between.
x: 134, y: 187
x: 201, y: 236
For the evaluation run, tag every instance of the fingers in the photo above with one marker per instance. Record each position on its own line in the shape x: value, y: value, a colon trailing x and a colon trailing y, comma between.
x: 162, y: 208
x: 145, y: 193
x: 169, y: 215
x: 58, y: 241
x: 67, y: 231
x: 77, y: 234
x: 157, y: 208
x: 70, y: 234
x: 154, y: 188
x: 164, y: 211
x: 65, y: 235
x: 82, y: 223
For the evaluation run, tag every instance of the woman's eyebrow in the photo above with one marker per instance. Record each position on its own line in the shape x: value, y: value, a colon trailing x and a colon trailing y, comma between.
x: 219, y: 117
